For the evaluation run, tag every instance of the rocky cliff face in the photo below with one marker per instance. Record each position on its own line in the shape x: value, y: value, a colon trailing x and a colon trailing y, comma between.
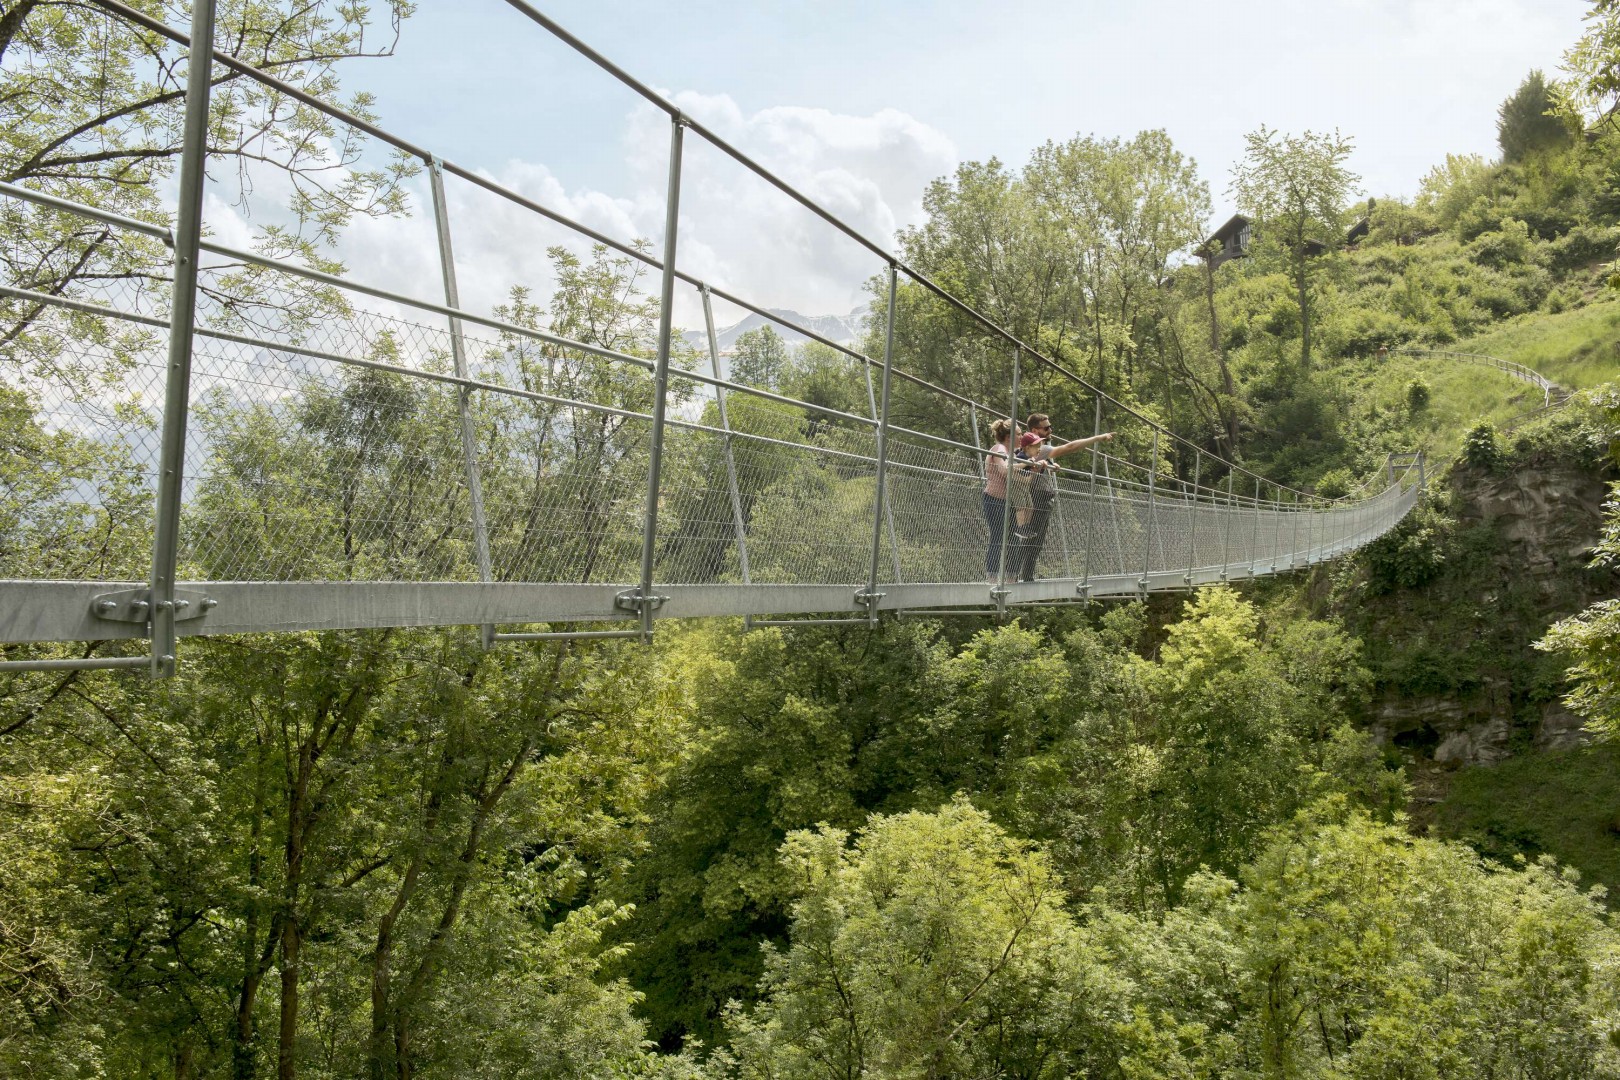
x: 1542, y: 523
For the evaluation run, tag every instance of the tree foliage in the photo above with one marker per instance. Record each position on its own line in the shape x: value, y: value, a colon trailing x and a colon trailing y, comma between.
x: 1526, y: 123
x: 1295, y: 187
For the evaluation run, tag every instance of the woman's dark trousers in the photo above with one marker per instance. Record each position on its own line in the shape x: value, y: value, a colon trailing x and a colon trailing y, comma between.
x: 994, y: 511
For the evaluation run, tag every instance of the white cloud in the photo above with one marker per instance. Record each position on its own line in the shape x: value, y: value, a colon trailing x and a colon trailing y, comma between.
x: 737, y: 231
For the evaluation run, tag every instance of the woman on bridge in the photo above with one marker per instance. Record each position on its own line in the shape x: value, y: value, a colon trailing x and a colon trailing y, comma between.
x: 1043, y: 489
x: 995, y: 495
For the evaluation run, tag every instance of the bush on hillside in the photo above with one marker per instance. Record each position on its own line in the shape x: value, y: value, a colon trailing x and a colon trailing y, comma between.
x: 1360, y: 331
x: 1413, y: 553
x: 1417, y: 396
x: 1334, y: 484
x: 1481, y: 446
x: 1582, y: 246
x: 1505, y: 247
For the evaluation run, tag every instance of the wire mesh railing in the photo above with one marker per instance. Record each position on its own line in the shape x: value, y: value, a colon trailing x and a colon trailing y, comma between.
x: 231, y: 441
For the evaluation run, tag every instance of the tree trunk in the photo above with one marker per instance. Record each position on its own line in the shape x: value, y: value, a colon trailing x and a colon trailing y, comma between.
x: 403, y: 1011
x: 255, y: 959
x: 1304, y: 316
x: 291, y: 943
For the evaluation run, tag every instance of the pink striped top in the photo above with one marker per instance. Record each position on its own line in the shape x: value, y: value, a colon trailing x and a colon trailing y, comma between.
x: 995, y: 472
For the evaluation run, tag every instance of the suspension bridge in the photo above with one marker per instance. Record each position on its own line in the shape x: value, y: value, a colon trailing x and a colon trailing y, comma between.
x: 313, y: 451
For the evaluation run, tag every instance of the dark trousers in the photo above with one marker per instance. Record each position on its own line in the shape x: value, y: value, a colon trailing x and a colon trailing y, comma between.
x: 994, y: 511
x: 1029, y: 550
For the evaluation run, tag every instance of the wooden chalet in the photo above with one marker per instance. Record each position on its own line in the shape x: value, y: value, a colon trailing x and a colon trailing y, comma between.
x: 1230, y: 241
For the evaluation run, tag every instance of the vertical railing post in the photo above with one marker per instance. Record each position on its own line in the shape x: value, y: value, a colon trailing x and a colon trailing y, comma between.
x: 1275, y: 531
x: 1316, y: 511
x: 739, y: 527
x: 880, y: 503
x: 1153, y: 484
x: 999, y: 594
x: 642, y: 600
x: 182, y: 316
x: 978, y: 442
x: 1192, y: 538
x: 1254, y: 542
x: 1226, y: 520
x: 1091, y: 502
x: 1293, y: 544
x: 888, y: 507
x: 1057, y: 514
x: 458, y: 352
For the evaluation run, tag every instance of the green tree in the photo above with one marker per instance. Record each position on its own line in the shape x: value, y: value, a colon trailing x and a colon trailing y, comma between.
x: 1526, y: 123
x: 1295, y: 187
x: 760, y: 358
x: 1352, y: 949
x: 935, y: 946
x: 1121, y: 210
x: 1591, y: 89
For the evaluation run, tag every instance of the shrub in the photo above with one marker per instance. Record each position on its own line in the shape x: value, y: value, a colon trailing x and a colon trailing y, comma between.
x: 1417, y: 396
x: 1481, y: 216
x: 1583, y: 246
x: 1505, y: 247
x: 1481, y: 447
x: 1414, y: 552
x: 1334, y: 484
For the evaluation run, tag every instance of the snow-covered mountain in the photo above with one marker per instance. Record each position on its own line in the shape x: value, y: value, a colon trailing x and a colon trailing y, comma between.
x: 843, y: 329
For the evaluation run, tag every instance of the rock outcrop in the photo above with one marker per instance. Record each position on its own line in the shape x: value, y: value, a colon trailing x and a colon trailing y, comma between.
x: 1547, y: 520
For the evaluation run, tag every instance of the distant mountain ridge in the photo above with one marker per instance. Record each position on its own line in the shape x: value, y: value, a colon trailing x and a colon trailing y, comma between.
x: 843, y: 329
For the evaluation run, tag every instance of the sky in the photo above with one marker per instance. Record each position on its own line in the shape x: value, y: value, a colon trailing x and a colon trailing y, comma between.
x: 861, y: 105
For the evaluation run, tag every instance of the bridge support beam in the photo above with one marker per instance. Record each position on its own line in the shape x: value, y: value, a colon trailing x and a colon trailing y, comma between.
x: 641, y: 599
x: 182, y: 316
x: 880, y: 507
x: 464, y: 418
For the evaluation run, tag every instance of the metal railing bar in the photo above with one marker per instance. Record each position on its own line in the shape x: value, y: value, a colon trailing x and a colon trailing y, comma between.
x: 84, y: 307
x: 95, y: 663
x: 882, y: 510
x: 567, y: 635
x: 544, y: 211
x: 425, y: 305
x: 652, y: 96
x: 430, y: 376
x: 471, y: 384
x: 464, y: 418
x: 780, y: 399
x: 666, y: 328
x: 17, y: 191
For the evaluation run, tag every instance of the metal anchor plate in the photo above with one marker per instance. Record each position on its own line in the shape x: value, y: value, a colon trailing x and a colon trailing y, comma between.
x: 135, y: 605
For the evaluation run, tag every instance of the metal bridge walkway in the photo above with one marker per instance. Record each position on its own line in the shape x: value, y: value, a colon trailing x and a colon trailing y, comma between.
x: 264, y: 446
